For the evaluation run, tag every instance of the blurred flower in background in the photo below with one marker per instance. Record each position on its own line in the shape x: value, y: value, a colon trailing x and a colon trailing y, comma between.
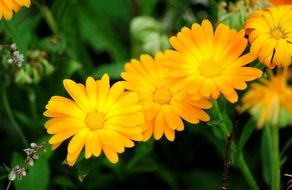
x: 270, y: 101
x: 270, y: 35
x: 100, y: 119
x: 164, y: 101
x: 210, y: 64
x: 148, y: 36
x: 8, y: 7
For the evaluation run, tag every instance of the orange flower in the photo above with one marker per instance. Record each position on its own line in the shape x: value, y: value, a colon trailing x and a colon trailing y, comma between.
x: 210, y: 63
x: 270, y: 35
x: 268, y: 99
x: 7, y: 7
x: 165, y: 103
x: 100, y: 118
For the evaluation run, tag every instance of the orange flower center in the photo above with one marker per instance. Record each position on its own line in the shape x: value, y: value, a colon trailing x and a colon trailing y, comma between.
x: 94, y: 120
x: 210, y: 69
x: 277, y: 34
x: 162, y: 95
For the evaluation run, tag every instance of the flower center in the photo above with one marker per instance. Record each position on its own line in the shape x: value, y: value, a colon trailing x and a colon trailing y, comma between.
x: 162, y: 95
x: 277, y: 34
x: 210, y: 69
x: 94, y: 120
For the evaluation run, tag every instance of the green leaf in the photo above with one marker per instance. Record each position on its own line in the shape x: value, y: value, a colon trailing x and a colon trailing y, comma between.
x: 246, y: 133
x: 37, y: 176
x: 97, y: 31
x: 143, y: 159
x: 148, y: 7
x: 112, y: 69
x: 64, y: 182
x: 265, y: 154
x: 22, y: 31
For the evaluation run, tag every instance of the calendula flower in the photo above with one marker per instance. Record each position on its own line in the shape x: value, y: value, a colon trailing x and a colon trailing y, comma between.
x: 270, y: 35
x: 266, y: 99
x: 165, y: 103
x: 210, y: 63
x: 281, y: 2
x: 8, y: 7
x: 100, y: 118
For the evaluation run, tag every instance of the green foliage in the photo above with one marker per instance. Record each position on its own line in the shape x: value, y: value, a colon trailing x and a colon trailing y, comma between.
x: 74, y: 39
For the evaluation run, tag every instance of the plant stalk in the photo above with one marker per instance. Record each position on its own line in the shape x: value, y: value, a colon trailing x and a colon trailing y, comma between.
x: 9, y: 112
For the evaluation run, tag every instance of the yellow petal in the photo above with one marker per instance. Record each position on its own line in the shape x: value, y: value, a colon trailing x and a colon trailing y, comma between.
x: 89, y: 145
x: 111, y: 155
x: 159, y: 126
x: 78, y: 140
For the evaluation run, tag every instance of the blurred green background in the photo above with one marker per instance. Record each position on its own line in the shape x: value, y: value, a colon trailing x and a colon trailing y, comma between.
x: 75, y: 39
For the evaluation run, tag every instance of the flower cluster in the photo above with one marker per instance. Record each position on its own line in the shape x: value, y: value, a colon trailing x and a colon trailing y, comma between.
x: 159, y: 93
x: 32, y: 154
x: 270, y: 101
x: 15, y: 58
x: 17, y: 173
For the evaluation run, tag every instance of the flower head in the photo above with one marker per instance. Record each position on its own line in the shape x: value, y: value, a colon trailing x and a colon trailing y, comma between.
x: 165, y: 103
x: 270, y: 35
x: 210, y: 63
x: 99, y: 117
x: 265, y: 100
x: 7, y: 7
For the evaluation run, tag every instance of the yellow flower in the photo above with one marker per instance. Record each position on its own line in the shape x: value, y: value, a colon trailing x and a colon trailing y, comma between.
x: 99, y: 117
x: 270, y: 35
x: 210, y: 63
x: 164, y: 101
x: 7, y: 7
x: 265, y: 100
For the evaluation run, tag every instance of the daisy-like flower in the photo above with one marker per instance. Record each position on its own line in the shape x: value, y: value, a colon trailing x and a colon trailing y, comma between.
x: 210, y: 63
x: 165, y: 103
x: 266, y: 100
x: 270, y: 35
x: 281, y: 2
x: 8, y: 7
x: 100, y: 118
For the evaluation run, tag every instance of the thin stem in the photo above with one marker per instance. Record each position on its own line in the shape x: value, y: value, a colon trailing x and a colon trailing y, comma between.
x: 224, y: 184
x: 247, y: 173
x: 11, y: 117
x: 8, y: 185
x: 275, y: 159
x: 286, y: 147
x: 48, y: 16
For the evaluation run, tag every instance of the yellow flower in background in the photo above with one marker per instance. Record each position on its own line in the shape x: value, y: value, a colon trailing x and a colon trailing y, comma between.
x: 210, y: 63
x: 270, y: 35
x: 100, y: 118
x: 8, y: 7
x: 165, y: 103
x: 266, y: 99
x: 281, y: 2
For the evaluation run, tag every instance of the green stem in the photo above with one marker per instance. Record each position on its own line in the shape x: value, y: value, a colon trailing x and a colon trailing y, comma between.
x: 48, y: 16
x: 247, y: 173
x: 275, y: 158
x: 11, y: 117
x: 218, y: 113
